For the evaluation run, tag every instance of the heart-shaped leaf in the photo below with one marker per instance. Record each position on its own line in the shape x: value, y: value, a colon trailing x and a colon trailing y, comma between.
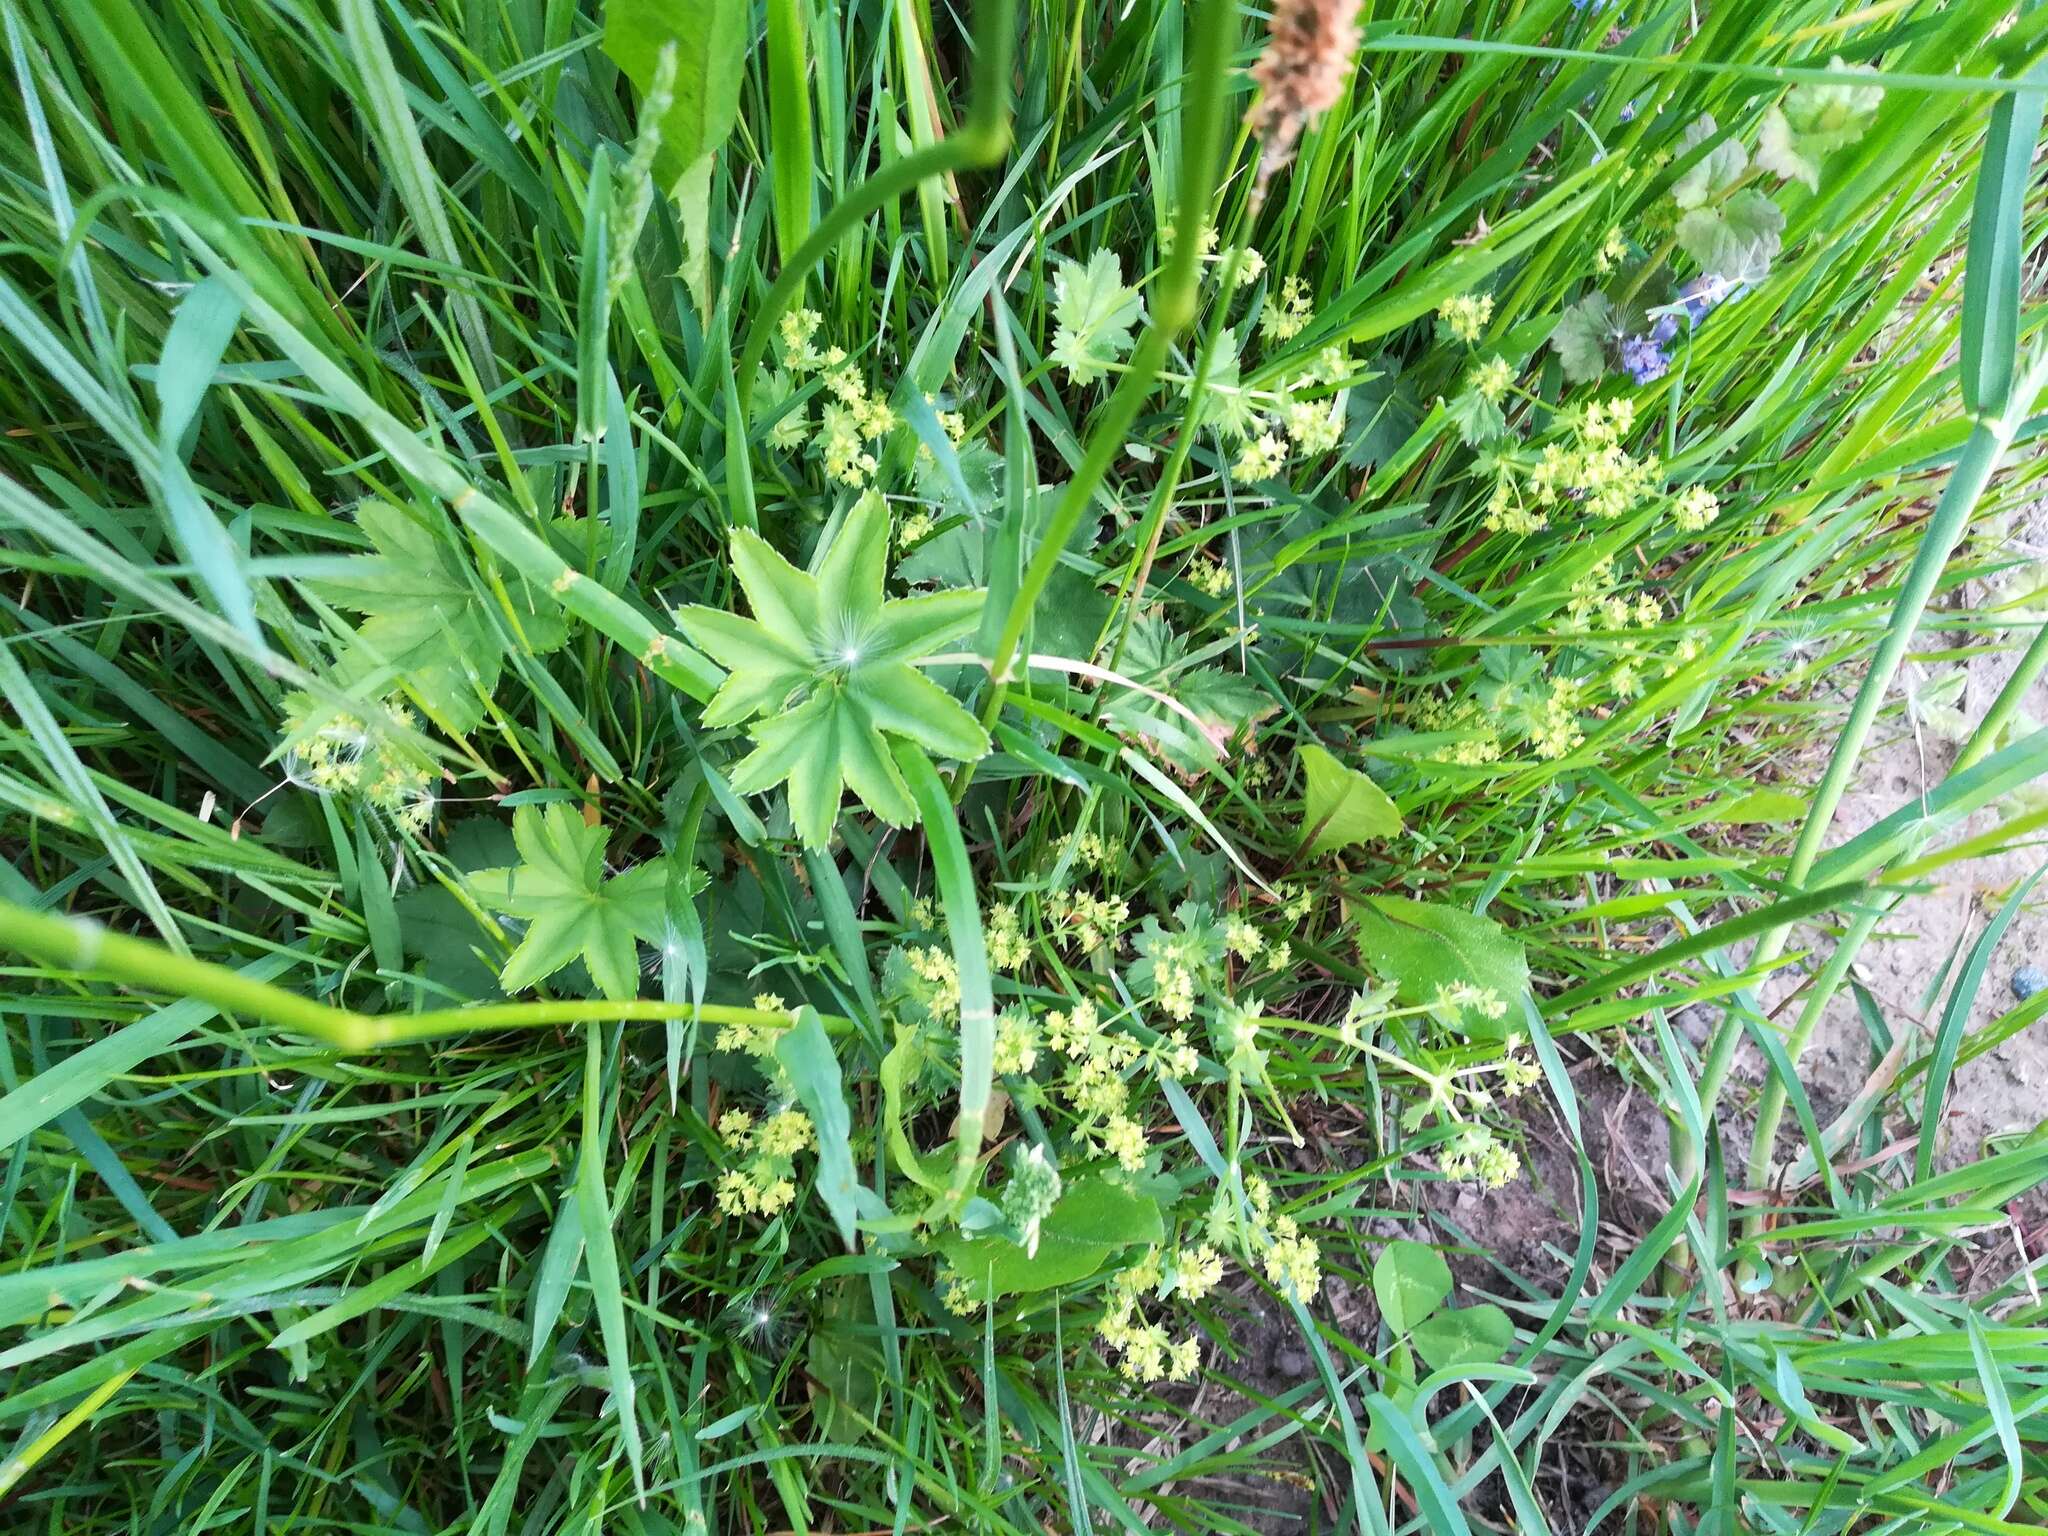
x: 1464, y: 1336
x: 1093, y: 1218
x: 1341, y: 806
x: 1410, y: 1281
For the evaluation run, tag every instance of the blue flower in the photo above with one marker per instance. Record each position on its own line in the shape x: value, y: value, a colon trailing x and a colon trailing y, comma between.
x: 1644, y: 358
x: 1701, y: 296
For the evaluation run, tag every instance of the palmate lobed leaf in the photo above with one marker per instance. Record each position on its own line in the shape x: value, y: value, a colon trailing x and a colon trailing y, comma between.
x: 573, y: 909
x: 424, y: 623
x: 826, y: 659
x: 1095, y: 312
x: 1581, y: 337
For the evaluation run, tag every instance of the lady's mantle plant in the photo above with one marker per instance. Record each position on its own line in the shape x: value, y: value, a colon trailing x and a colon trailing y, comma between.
x: 824, y: 670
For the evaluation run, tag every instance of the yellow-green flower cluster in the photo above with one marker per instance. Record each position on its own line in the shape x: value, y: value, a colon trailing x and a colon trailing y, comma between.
x: 1210, y: 577
x: 1205, y: 241
x: 1288, y: 312
x: 1261, y: 458
x: 1596, y: 600
x: 1518, y: 1072
x: 1016, y: 1046
x: 1003, y: 933
x: 1475, y: 1154
x: 1478, y: 735
x: 1458, y: 997
x: 1465, y: 315
x: 954, y: 425
x: 1095, y: 1081
x: 851, y: 419
x: 1173, y: 978
x: 940, y: 992
x: 762, y: 1185
x: 1288, y: 1257
x: 1612, y: 250
x: 913, y: 530
x: 1143, y: 1350
x: 1491, y: 379
x: 1299, y: 413
x: 341, y: 753
x: 1589, y: 467
x: 1557, y: 730
x: 1088, y: 920
x: 755, y: 1037
x: 1092, y: 850
x: 1695, y: 508
x: 1316, y: 426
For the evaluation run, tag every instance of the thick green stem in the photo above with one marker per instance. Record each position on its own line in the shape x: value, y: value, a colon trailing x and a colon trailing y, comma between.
x: 2006, y: 706
x: 79, y: 944
x: 981, y: 140
x: 1771, y: 1108
x: 1173, y: 310
x: 1980, y: 457
x: 955, y: 876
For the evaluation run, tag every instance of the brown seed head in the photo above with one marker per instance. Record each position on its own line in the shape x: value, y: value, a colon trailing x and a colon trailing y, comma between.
x: 1301, y: 74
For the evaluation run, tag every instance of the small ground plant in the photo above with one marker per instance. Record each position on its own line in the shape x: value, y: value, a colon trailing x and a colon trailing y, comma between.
x: 774, y: 766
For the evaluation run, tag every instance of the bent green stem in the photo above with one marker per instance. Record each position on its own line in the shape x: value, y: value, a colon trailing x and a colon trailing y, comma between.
x: 80, y: 944
x: 955, y: 876
x: 1986, y: 447
x: 1173, y: 310
x: 980, y: 141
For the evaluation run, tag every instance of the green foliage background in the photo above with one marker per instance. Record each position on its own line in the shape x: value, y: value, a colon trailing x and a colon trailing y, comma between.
x: 409, y: 538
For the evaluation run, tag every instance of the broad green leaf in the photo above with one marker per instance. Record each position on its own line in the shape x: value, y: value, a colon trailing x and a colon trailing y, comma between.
x: 1478, y: 419
x: 1409, y: 1281
x: 1342, y: 806
x: 1464, y: 1336
x: 1719, y: 170
x: 710, y: 39
x: 1814, y: 121
x: 1582, y: 337
x: 966, y: 487
x: 842, y: 1357
x: 1095, y: 313
x: 806, y: 1054
x: 1761, y: 807
x: 1223, y: 702
x: 1736, y: 239
x: 1426, y: 949
x: 573, y: 909
x: 1382, y: 416
x: 829, y: 660
x: 1093, y: 1218
x: 439, y: 933
x: 425, y: 625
